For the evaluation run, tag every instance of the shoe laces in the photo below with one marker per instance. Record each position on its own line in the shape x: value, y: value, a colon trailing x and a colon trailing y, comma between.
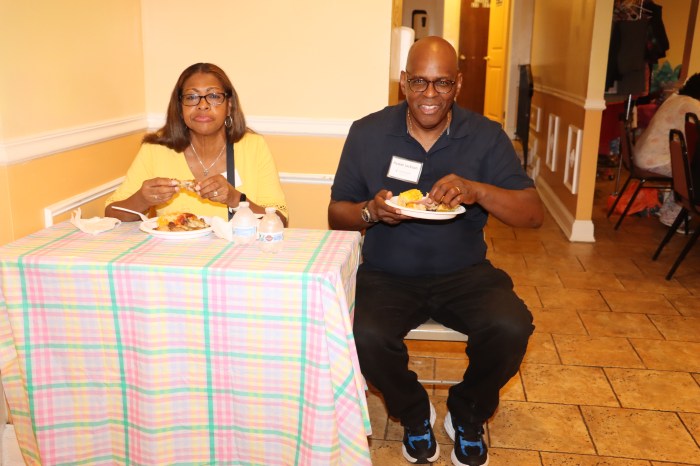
x: 419, y: 434
x: 464, y: 444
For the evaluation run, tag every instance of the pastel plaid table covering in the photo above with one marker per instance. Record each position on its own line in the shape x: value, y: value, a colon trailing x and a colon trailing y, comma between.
x: 123, y: 348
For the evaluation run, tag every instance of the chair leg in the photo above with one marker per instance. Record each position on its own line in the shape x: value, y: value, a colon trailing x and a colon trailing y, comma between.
x: 629, y: 205
x: 683, y: 253
x: 671, y: 231
x: 619, y: 195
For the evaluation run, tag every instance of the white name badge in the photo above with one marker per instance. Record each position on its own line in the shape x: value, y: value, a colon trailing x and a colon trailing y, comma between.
x: 404, y: 169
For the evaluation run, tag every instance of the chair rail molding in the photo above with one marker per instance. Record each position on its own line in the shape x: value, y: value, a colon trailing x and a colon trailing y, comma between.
x: 43, y: 144
x: 40, y: 145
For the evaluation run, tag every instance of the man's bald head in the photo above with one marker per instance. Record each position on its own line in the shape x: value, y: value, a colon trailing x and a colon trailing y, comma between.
x: 432, y: 48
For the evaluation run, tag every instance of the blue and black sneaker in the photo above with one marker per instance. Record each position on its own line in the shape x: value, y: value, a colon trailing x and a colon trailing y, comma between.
x: 470, y: 448
x: 419, y: 445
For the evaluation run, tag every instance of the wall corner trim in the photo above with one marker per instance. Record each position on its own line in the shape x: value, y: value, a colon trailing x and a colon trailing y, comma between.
x: 575, y: 230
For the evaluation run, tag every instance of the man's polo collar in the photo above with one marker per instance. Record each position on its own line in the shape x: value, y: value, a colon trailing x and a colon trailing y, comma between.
x: 459, y: 128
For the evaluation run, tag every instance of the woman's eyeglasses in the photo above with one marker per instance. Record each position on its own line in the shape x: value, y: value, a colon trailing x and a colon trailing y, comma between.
x: 214, y: 98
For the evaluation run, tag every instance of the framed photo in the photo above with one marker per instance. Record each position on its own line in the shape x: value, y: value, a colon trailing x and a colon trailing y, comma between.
x: 552, y: 142
x: 573, y: 158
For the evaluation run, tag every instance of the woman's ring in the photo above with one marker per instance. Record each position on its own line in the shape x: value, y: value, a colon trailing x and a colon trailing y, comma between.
x: 459, y: 190
x: 216, y: 193
x: 155, y: 197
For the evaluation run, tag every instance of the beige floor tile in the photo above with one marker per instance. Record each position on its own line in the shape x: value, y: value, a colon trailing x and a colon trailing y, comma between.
x: 541, y: 349
x: 529, y: 295
x: 513, y: 390
x: 668, y: 355
x: 692, y: 423
x: 567, y: 248
x: 554, y: 262
x: 511, y: 263
x: 590, y: 280
x: 535, y: 277
x: 539, y: 426
x: 678, y: 328
x: 571, y: 385
x: 514, y: 246
x: 378, y: 416
x: 558, y: 321
x: 388, y: 453
x: 610, y: 264
x: 687, y: 305
x: 618, y: 324
x: 657, y: 390
x: 648, y: 303
x: 573, y: 299
x: 651, y: 284
x: 597, y: 351
x: 558, y: 459
x: 506, y: 457
x: 544, y: 235
x: 449, y: 369
x: 639, y: 434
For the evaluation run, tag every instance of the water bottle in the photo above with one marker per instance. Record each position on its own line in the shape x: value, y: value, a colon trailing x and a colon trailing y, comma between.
x: 244, y: 224
x: 270, y: 231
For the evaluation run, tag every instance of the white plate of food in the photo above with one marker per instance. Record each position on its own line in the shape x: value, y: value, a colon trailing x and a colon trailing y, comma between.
x: 177, y: 226
x: 426, y: 214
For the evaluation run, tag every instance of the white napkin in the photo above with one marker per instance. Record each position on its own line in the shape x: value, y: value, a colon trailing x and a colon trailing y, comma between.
x: 94, y: 225
x: 222, y: 228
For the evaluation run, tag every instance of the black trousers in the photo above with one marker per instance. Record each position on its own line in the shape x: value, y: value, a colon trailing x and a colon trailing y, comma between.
x: 478, y: 301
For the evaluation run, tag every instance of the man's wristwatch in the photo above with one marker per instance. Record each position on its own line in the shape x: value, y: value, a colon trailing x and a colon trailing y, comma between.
x: 366, y: 214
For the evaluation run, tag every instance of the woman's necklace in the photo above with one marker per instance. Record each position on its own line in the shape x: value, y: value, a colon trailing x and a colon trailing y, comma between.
x: 410, y: 129
x: 206, y: 169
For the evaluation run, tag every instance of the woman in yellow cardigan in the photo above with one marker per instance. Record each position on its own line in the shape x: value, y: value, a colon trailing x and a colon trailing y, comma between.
x: 182, y: 167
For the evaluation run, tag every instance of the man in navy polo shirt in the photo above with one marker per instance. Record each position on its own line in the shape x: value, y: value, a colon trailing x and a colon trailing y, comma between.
x: 415, y: 269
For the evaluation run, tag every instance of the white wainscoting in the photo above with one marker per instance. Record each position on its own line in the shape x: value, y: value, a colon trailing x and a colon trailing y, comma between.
x: 80, y: 199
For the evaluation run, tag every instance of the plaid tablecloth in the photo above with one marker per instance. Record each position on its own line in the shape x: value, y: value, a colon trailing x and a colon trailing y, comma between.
x: 124, y: 348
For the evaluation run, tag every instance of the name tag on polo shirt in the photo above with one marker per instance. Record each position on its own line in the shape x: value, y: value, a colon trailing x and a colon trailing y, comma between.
x: 404, y: 169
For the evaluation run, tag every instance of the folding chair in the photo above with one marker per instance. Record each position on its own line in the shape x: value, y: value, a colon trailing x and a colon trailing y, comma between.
x: 434, y: 331
x: 645, y: 179
x: 684, y: 191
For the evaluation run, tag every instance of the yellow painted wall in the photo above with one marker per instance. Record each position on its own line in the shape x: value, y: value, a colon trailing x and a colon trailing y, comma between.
x: 675, y: 16
x: 67, y: 64
x: 571, y: 89
x: 302, y: 58
x: 82, y: 63
x: 41, y: 182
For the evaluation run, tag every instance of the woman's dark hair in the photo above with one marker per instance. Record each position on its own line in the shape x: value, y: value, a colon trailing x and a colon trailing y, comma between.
x: 691, y: 87
x: 175, y: 134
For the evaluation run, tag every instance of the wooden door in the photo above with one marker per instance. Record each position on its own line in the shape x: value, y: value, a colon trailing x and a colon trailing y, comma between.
x: 473, y: 41
x: 496, y: 60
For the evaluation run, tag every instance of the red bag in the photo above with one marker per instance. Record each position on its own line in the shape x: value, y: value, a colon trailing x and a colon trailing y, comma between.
x: 647, y: 198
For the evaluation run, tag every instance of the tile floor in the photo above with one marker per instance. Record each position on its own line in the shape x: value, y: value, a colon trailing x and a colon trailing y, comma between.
x: 612, y: 373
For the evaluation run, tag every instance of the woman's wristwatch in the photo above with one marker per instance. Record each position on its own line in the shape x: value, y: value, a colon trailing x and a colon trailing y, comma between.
x: 366, y: 214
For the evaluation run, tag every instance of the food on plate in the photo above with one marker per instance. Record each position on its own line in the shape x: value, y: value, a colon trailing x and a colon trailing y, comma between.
x: 414, y: 199
x: 187, y: 184
x: 180, y: 221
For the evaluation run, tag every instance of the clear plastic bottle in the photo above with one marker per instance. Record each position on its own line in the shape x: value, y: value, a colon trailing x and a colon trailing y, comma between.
x: 244, y: 224
x: 270, y: 231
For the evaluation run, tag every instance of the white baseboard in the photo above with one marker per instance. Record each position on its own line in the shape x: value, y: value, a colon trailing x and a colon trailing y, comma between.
x: 575, y: 230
